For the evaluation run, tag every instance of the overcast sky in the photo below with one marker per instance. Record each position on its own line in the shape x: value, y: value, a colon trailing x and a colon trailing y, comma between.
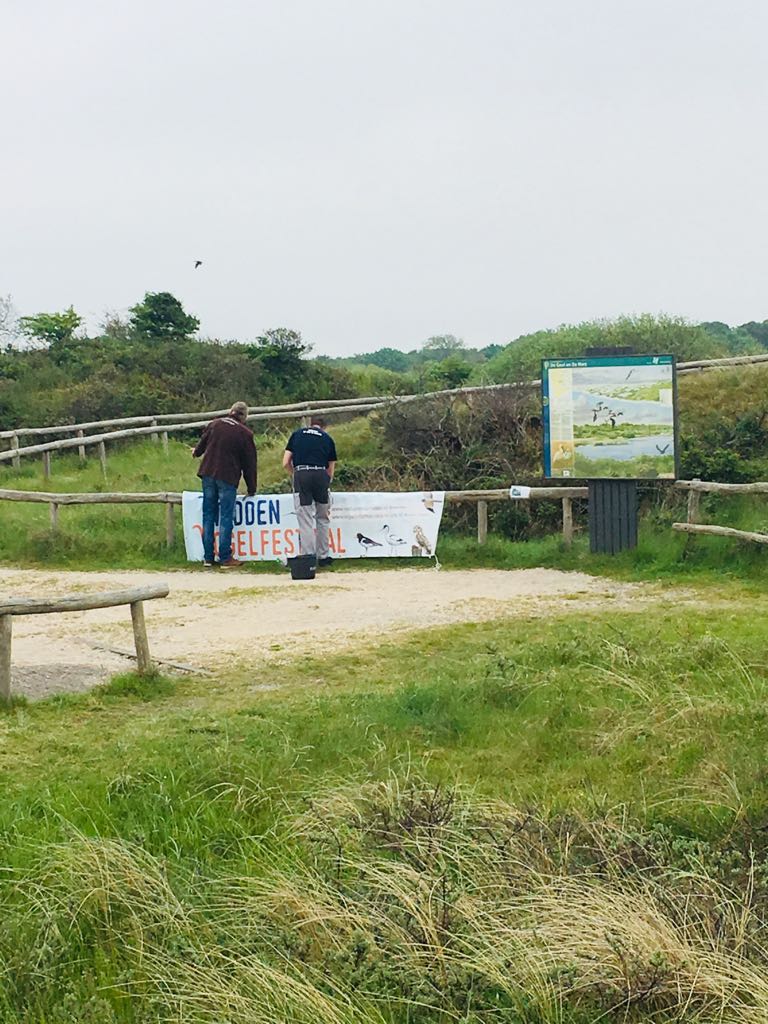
x: 375, y: 173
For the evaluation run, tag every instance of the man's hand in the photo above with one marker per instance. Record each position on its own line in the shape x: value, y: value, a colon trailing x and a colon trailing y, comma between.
x: 193, y: 450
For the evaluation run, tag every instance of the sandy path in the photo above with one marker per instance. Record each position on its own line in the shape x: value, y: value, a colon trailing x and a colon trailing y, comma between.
x: 244, y: 618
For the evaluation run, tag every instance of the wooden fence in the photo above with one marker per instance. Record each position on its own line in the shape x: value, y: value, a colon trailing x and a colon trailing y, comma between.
x: 480, y: 498
x: 77, y: 603
x: 695, y: 490
x: 158, y: 426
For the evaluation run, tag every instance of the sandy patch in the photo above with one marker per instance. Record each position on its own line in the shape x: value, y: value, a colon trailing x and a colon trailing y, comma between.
x: 211, y: 617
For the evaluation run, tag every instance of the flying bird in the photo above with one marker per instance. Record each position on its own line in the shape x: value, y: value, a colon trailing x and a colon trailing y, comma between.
x: 661, y: 451
x: 428, y: 502
x: 198, y: 263
x: 422, y: 539
x: 366, y: 543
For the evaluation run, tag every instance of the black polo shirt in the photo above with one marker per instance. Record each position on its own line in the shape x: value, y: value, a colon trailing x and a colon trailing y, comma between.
x: 311, y: 446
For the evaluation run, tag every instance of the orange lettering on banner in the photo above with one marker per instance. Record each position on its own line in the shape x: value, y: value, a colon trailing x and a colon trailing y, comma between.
x: 334, y: 541
x: 240, y: 543
x: 264, y: 538
x: 277, y: 543
x: 290, y: 547
x: 251, y: 549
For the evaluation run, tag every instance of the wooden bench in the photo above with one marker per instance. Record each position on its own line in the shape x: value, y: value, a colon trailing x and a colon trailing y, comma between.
x: 77, y: 603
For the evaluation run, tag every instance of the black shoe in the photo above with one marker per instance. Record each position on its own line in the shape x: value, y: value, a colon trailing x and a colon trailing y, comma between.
x: 324, y: 562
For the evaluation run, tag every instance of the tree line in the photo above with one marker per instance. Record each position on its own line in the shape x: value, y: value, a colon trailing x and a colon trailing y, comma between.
x: 52, y: 370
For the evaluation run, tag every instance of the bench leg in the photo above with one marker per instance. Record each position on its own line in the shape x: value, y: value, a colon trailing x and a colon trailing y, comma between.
x: 140, y: 638
x: 5, y: 657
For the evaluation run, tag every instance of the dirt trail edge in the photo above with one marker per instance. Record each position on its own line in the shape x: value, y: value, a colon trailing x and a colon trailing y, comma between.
x: 212, y: 617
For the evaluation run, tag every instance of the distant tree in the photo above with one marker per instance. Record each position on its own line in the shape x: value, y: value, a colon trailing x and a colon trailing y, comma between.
x: 50, y: 328
x: 450, y: 372
x: 161, y: 316
x: 281, y: 352
x: 759, y: 331
x: 9, y: 321
x: 114, y: 326
x: 386, y: 358
x: 440, y: 346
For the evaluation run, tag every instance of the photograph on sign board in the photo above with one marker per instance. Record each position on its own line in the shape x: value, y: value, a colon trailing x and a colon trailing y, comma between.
x: 609, y: 417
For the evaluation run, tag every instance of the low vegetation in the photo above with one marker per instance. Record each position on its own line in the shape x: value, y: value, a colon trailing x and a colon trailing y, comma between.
x: 527, y: 821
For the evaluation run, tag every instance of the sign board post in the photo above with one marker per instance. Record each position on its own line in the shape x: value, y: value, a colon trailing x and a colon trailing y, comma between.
x: 612, y: 421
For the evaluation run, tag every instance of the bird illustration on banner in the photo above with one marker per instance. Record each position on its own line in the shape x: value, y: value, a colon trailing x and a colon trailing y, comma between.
x: 366, y: 543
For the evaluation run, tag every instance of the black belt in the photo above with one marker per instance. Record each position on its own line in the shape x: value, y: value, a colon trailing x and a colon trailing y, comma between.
x: 296, y: 468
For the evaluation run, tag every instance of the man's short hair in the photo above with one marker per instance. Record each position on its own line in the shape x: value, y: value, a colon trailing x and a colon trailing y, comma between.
x: 318, y: 421
x: 239, y: 410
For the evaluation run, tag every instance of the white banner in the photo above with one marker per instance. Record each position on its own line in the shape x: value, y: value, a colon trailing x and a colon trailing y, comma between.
x: 363, y: 524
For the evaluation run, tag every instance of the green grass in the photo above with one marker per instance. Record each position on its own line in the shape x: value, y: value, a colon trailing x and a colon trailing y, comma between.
x: 133, y: 537
x: 415, y: 832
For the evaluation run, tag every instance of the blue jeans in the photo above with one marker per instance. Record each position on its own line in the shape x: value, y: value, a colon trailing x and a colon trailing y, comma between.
x: 218, y: 506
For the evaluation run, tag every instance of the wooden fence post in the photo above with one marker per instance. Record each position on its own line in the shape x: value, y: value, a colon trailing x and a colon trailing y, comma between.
x: 46, y: 465
x: 54, y: 510
x: 153, y: 435
x: 694, y: 500
x: 164, y: 436
x: 482, y: 522
x: 170, y: 526
x: 103, y: 458
x: 17, y: 458
x: 81, y: 447
x: 6, y: 633
x: 140, y: 637
x: 568, y: 521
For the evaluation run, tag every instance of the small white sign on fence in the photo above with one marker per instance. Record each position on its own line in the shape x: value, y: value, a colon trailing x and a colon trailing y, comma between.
x: 520, y: 492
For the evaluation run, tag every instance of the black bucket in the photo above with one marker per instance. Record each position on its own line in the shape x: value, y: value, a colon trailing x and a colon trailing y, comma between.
x: 302, y: 567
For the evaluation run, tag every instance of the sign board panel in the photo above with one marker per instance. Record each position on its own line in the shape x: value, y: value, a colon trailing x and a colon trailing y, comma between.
x: 611, y: 417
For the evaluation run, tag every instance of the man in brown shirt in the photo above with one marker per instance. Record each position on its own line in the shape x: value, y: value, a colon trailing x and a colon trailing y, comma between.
x: 228, y: 452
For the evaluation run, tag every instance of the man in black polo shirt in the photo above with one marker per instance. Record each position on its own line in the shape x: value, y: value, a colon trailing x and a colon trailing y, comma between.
x: 310, y: 456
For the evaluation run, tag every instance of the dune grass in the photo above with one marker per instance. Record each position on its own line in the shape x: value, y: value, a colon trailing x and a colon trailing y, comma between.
x: 523, y: 821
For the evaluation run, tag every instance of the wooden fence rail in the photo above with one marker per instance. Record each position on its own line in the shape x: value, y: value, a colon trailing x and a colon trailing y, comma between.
x: 695, y: 490
x: 566, y: 495
x: 15, y: 453
x: 154, y: 421
x: 77, y: 603
x: 171, y: 498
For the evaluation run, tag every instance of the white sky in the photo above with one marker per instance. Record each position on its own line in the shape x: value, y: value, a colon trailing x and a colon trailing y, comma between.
x: 375, y: 173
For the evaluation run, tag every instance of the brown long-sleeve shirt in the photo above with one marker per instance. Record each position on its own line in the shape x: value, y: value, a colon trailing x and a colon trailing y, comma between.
x: 228, y: 450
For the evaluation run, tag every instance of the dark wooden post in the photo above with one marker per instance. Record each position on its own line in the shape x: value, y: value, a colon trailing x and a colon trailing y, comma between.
x: 46, y: 465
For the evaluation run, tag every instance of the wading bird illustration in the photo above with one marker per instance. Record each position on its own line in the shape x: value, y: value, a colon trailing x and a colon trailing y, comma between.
x: 366, y: 543
x: 392, y: 539
x: 198, y: 263
x: 661, y: 451
x: 422, y: 539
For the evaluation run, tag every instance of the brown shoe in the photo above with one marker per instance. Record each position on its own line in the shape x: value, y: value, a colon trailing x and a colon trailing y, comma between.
x: 231, y: 563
